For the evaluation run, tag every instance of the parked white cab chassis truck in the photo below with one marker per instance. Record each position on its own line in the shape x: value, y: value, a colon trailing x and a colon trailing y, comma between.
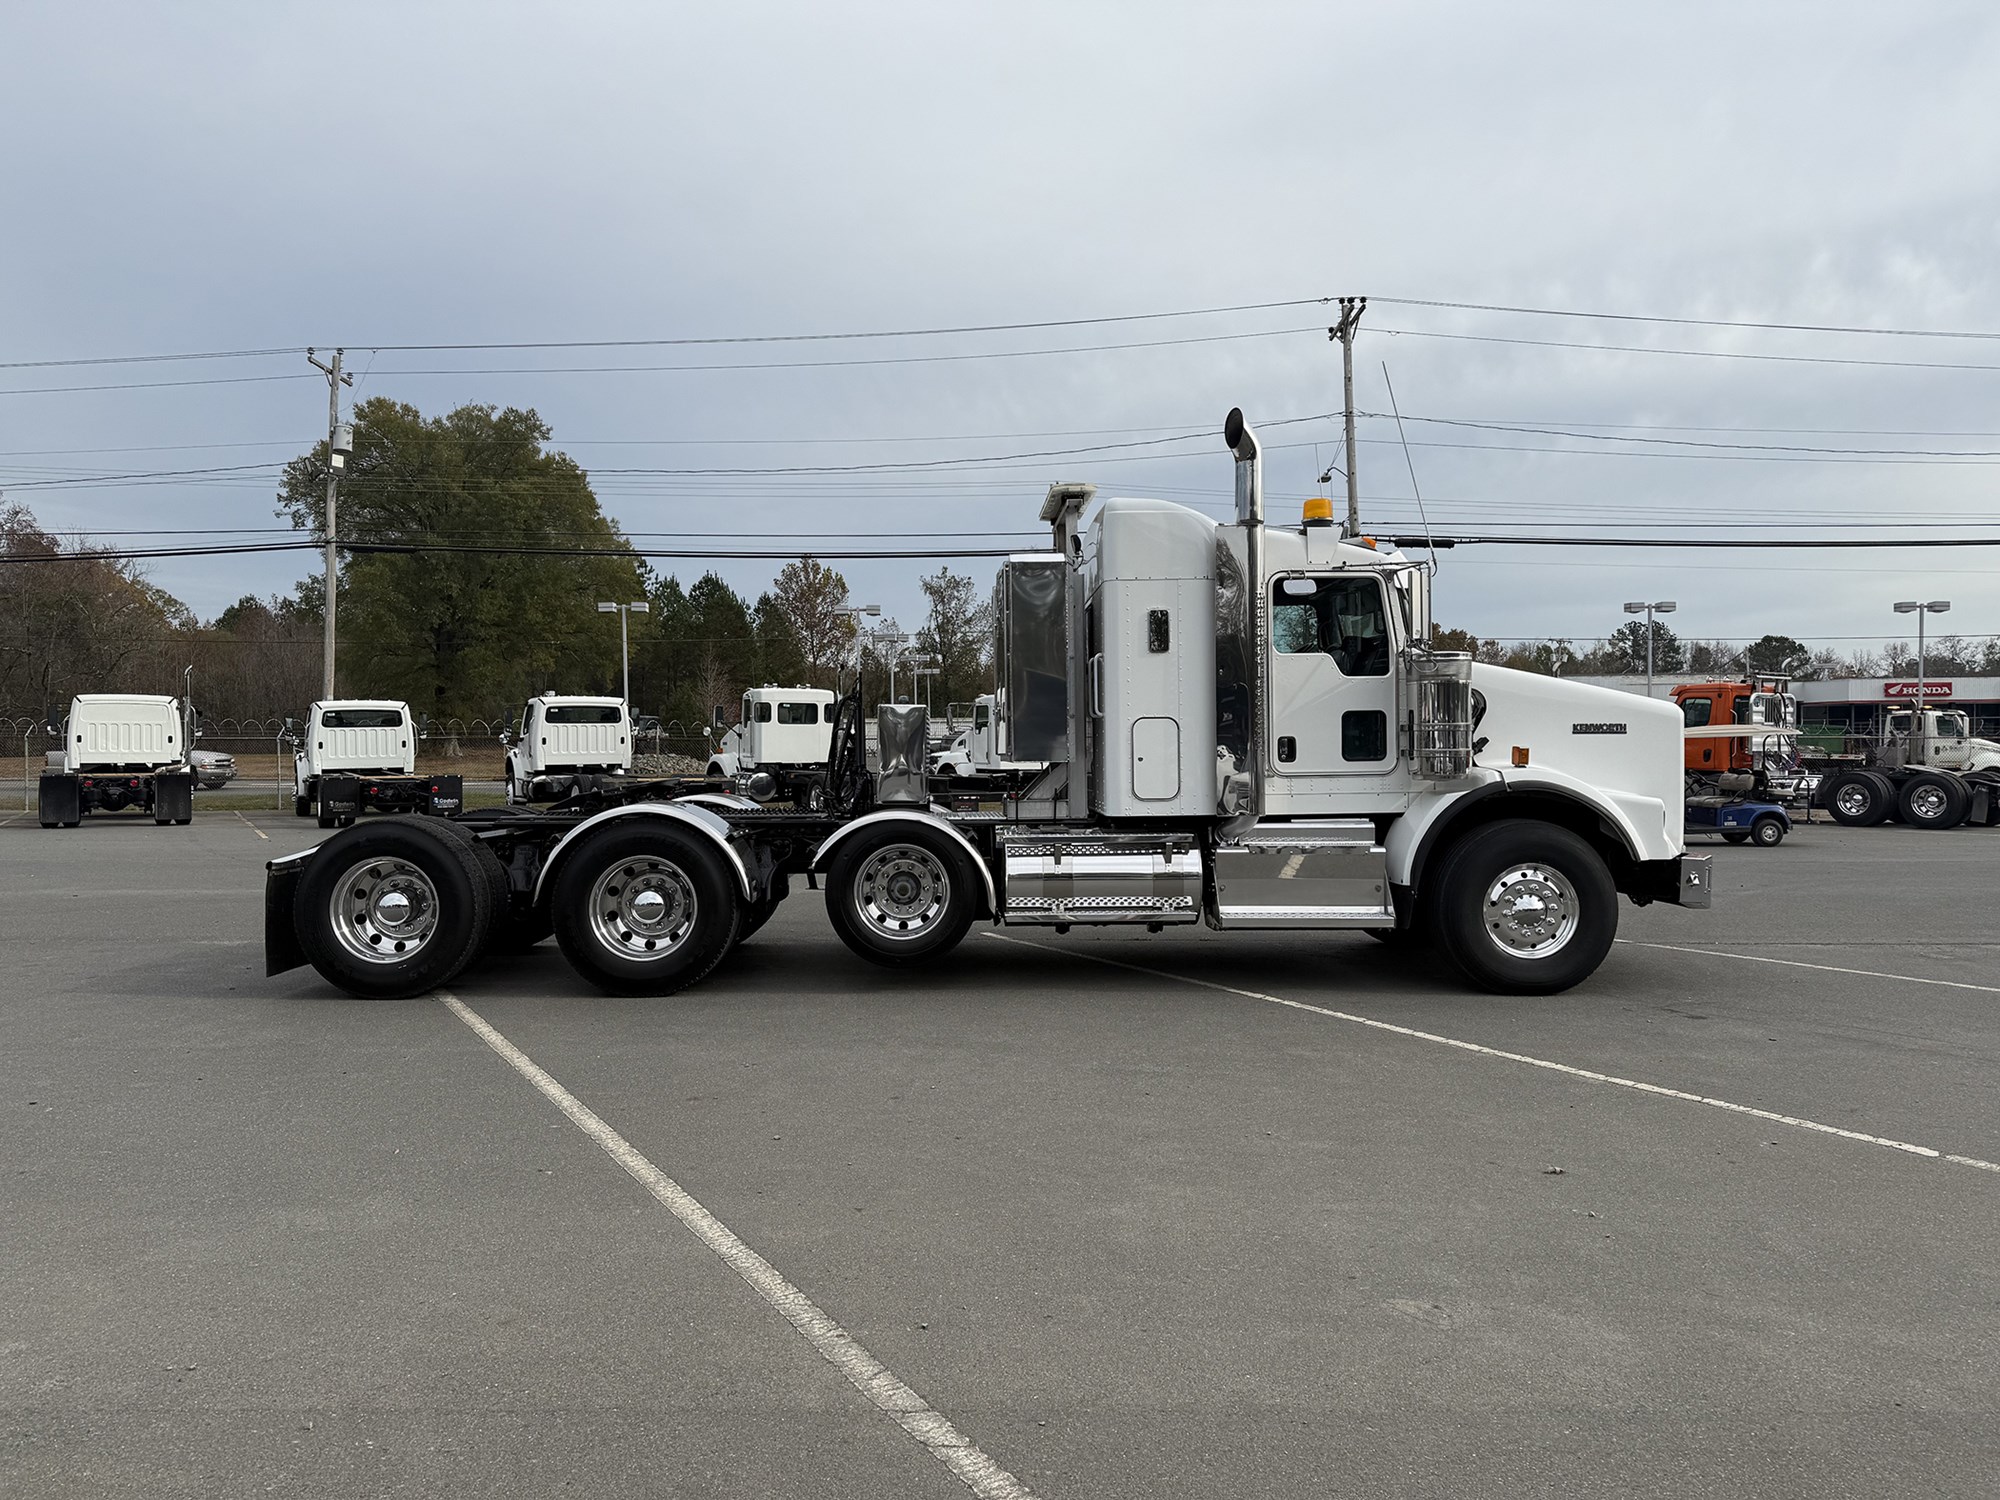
x: 1927, y: 769
x: 1243, y: 726
x: 120, y: 750
x: 359, y: 755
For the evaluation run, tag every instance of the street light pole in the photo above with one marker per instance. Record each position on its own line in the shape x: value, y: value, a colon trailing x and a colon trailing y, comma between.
x: 1662, y: 606
x: 339, y: 444
x: 624, y: 613
x: 1920, y: 608
x: 854, y: 612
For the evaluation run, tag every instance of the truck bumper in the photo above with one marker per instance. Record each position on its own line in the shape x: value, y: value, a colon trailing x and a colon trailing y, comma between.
x: 1683, y: 881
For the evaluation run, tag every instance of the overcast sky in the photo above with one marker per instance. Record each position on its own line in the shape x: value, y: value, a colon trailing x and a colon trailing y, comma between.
x: 216, y: 177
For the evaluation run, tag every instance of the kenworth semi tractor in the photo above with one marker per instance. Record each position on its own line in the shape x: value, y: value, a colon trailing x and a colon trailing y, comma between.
x: 120, y: 750
x: 1243, y: 724
x: 357, y: 755
x: 785, y: 733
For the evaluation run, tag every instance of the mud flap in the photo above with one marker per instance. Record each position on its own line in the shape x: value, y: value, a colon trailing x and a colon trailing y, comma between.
x: 60, y: 800
x: 340, y: 796
x: 447, y: 795
x: 281, y: 939
x: 173, y: 798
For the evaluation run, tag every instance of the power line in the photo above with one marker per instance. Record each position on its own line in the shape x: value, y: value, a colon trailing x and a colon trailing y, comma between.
x: 1554, y: 312
x: 1788, y: 359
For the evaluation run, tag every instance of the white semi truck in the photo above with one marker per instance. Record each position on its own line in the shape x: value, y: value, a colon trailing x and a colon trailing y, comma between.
x: 357, y: 755
x: 1243, y: 725
x: 563, y: 743
x: 785, y: 733
x: 979, y: 750
x: 1927, y: 768
x: 120, y: 750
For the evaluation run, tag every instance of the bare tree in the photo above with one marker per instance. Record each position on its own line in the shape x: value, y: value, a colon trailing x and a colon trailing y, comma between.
x: 809, y: 596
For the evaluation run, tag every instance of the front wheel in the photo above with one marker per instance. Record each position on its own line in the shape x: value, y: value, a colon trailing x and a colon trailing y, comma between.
x: 1767, y: 832
x: 1525, y: 908
x: 901, y: 894
x: 644, y: 911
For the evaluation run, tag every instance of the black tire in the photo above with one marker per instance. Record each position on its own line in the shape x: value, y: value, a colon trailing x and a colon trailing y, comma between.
x: 1736, y: 835
x: 812, y: 794
x: 620, y: 947
x: 1767, y: 832
x: 901, y: 893
x: 445, y: 914
x: 1857, y: 799
x: 516, y: 928
x: 1928, y: 800
x: 1552, y: 876
x: 301, y: 806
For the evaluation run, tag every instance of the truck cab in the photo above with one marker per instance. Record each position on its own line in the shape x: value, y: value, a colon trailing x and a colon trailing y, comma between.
x: 358, y: 755
x: 1941, y: 740
x: 784, y: 732
x: 120, y: 750
x: 563, y: 736
x: 1755, y: 724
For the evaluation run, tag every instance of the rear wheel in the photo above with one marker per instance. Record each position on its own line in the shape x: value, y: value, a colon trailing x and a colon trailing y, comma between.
x: 1525, y: 908
x: 1857, y: 799
x: 1932, y: 801
x: 1735, y: 835
x: 901, y: 894
x: 644, y: 911
x: 392, y: 909
x: 1767, y: 832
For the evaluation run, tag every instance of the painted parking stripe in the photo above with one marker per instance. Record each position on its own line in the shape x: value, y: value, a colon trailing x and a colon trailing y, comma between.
x: 1637, y: 1085
x: 253, y: 828
x: 864, y: 1372
x: 1794, y: 963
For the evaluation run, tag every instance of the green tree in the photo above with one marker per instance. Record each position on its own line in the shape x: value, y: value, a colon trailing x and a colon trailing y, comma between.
x: 781, y: 657
x: 1626, y: 648
x: 474, y: 631
x: 955, y: 635
x: 1777, y: 653
x: 722, y: 653
x: 810, y: 595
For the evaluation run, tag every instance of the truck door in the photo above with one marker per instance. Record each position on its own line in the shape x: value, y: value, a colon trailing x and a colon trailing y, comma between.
x: 1333, y: 680
x: 1710, y: 755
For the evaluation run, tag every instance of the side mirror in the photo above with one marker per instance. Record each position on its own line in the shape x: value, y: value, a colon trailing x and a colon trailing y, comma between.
x: 506, y: 738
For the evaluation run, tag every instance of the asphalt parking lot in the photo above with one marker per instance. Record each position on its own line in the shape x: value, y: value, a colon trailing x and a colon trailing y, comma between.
x: 1134, y: 1216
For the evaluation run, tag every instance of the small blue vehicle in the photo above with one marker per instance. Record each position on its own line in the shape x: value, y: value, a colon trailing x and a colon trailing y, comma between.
x: 1739, y: 821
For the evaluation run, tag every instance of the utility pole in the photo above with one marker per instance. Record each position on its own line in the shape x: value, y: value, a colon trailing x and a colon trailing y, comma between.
x: 339, y: 443
x: 1351, y: 309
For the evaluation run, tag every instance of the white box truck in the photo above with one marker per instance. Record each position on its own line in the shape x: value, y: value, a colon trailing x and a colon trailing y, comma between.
x: 357, y: 755
x: 120, y: 750
x: 1244, y: 724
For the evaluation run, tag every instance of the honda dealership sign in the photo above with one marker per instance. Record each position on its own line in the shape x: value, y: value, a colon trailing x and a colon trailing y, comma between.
x: 1909, y: 689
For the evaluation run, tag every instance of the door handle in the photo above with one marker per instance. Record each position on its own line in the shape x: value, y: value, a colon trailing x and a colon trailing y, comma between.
x: 1288, y: 749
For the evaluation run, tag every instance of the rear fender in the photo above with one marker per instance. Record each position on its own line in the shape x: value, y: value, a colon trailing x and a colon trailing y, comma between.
x: 929, y: 820
x: 703, y: 821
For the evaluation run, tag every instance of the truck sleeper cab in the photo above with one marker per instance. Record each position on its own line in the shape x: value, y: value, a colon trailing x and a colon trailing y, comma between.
x: 1240, y: 725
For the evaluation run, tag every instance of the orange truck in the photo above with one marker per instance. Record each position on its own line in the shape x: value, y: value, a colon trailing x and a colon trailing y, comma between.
x: 1756, y: 720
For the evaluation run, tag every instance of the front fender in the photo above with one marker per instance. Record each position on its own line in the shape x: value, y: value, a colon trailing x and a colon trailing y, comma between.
x: 913, y: 815
x: 708, y: 824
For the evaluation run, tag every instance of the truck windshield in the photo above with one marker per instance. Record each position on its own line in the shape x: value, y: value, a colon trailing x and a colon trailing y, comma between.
x: 1339, y: 617
x: 584, y: 713
x: 362, y: 718
x: 798, y: 713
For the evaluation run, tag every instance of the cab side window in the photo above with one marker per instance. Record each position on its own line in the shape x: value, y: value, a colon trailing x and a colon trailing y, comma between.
x: 1343, y: 618
x: 1695, y: 711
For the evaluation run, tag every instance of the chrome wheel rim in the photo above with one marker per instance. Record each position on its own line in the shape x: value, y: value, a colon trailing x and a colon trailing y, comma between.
x: 384, y: 911
x: 1853, y: 800
x: 643, y: 908
x: 1531, y: 910
x: 902, y: 891
x: 1928, y: 803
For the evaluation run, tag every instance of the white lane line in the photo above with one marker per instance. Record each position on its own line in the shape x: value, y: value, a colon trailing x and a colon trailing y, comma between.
x: 864, y: 1371
x: 253, y: 828
x: 1638, y: 1085
x: 1793, y: 963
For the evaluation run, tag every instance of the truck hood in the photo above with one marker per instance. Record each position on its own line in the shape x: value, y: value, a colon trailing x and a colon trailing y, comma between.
x: 1625, y: 746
